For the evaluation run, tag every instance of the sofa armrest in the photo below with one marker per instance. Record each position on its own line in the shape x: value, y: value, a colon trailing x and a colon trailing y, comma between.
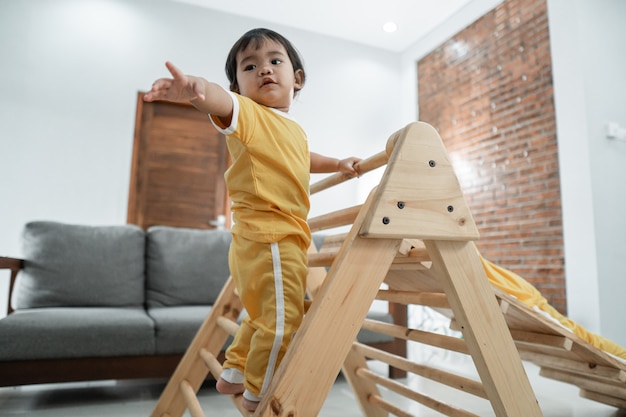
x: 14, y: 265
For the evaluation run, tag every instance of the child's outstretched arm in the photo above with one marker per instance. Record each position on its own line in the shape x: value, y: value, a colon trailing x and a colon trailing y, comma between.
x: 322, y: 164
x: 206, y: 96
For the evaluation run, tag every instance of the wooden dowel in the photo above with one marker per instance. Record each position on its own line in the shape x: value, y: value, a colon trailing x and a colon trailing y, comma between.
x: 427, y: 338
x: 216, y: 370
x: 430, y: 299
x: 455, y: 381
x: 335, y: 240
x: 321, y: 258
x: 193, y: 405
x: 230, y: 326
x: 380, y: 402
x: 334, y: 219
x: 326, y: 258
x: 211, y: 362
x: 362, y: 167
x: 403, y: 390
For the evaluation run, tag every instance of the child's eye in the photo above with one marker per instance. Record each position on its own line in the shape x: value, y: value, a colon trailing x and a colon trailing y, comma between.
x: 249, y: 67
x: 276, y: 61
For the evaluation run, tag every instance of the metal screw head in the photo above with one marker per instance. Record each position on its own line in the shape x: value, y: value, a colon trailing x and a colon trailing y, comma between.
x: 400, y: 205
x: 386, y: 220
x: 432, y: 163
x: 450, y: 209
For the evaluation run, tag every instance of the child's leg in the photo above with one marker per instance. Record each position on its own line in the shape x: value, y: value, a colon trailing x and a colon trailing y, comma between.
x: 231, y: 380
x: 272, y: 290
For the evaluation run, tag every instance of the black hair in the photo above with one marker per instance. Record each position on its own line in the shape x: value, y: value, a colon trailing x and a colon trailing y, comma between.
x: 256, y: 37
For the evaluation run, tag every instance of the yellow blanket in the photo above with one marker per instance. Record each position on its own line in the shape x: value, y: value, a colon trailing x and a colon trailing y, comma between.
x: 515, y: 285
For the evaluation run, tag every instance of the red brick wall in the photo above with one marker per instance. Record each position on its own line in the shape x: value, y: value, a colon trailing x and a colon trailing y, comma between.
x: 488, y: 91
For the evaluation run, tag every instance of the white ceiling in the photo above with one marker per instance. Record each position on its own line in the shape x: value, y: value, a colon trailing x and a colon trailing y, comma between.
x: 356, y: 20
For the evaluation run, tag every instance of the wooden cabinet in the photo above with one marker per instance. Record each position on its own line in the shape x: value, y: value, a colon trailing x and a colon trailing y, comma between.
x: 178, y: 165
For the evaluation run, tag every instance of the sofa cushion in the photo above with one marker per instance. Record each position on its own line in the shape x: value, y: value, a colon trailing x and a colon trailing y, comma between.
x: 175, y: 327
x: 185, y: 266
x: 71, y: 265
x: 77, y: 332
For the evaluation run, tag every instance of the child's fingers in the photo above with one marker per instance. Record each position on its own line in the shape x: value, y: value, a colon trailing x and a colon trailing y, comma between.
x: 158, y: 90
x: 173, y: 69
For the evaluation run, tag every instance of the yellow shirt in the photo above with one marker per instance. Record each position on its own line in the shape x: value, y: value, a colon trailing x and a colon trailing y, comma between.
x: 268, y: 181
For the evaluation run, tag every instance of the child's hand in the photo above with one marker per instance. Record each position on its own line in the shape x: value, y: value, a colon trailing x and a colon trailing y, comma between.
x: 179, y: 88
x: 347, y: 167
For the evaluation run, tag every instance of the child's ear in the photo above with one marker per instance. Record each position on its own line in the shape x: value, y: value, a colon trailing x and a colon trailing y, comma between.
x: 298, y: 80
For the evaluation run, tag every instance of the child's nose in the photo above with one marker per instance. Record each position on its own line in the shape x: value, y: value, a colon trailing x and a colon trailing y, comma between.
x: 266, y: 69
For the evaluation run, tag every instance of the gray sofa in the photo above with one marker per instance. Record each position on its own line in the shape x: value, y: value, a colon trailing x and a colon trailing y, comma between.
x: 113, y: 302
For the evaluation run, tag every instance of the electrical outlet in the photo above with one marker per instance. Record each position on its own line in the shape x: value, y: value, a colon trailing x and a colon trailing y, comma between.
x: 615, y: 131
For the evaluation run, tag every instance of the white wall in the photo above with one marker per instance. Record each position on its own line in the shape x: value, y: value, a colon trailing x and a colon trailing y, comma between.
x: 590, y: 90
x: 70, y: 73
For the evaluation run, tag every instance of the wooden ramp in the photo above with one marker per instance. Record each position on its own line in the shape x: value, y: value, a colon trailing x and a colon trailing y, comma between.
x: 563, y: 356
x: 413, y: 233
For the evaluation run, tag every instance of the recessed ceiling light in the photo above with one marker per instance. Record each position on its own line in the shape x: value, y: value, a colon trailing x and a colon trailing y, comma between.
x: 390, y: 27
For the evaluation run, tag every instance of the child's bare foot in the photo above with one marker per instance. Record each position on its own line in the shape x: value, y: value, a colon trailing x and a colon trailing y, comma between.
x: 228, y: 388
x: 249, y: 405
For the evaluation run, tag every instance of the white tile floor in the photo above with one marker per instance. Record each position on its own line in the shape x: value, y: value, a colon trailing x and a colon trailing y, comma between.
x: 137, y: 398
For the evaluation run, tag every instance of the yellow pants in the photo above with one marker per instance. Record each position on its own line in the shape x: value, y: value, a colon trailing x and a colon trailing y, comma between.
x: 271, y: 280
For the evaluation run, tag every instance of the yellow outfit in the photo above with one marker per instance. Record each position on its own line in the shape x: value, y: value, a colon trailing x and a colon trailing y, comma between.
x: 268, y: 183
x: 513, y: 284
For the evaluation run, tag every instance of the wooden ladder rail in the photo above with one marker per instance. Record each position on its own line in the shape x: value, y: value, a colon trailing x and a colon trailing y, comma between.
x: 200, y: 359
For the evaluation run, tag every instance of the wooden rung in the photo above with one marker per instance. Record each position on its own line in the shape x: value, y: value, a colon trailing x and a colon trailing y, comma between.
x: 193, y: 405
x: 430, y: 299
x: 531, y: 338
x: 443, y: 377
x: 380, y: 402
x: 321, y: 259
x: 228, y: 325
x: 413, y: 260
x: 606, y: 399
x: 574, y: 366
x: 362, y: 167
x: 334, y: 240
x: 216, y: 370
x: 211, y: 362
x: 428, y: 338
x: 590, y: 384
x: 334, y: 219
x: 411, y: 394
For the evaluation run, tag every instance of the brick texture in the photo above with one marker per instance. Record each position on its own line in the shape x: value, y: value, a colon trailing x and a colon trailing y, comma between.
x: 488, y: 91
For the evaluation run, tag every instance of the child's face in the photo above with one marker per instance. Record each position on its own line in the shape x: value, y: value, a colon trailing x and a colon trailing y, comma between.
x: 266, y: 75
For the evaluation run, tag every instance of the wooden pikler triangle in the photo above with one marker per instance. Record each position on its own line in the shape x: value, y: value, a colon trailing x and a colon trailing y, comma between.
x: 414, y: 233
